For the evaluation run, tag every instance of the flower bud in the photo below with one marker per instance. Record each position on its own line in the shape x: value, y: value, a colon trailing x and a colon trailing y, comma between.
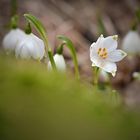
x: 59, y: 61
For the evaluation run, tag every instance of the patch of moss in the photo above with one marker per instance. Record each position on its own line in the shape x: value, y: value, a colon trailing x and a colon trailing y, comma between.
x: 40, y: 105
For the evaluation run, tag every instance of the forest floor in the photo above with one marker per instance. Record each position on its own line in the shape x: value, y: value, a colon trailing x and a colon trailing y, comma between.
x: 79, y: 20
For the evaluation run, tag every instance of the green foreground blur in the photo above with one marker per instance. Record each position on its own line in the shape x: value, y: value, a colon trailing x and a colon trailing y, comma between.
x: 39, y: 105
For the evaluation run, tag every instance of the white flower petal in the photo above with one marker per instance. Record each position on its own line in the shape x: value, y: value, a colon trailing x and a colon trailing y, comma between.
x: 105, y: 65
x: 93, y: 51
x: 100, y: 40
x: 116, y: 56
x: 104, y: 53
x: 110, y: 43
x: 40, y: 49
x: 31, y: 47
x: 104, y: 76
x: 131, y: 42
x: 11, y: 39
x: 25, y: 52
x: 110, y: 67
x: 59, y: 61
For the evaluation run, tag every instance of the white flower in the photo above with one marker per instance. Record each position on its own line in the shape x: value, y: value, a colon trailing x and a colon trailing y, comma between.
x: 30, y: 47
x: 12, y: 38
x: 131, y: 42
x: 104, y: 53
x: 104, y: 76
x: 136, y: 75
x: 59, y: 61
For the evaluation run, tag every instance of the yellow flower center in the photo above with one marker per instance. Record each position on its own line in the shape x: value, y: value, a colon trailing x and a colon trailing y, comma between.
x: 102, y: 52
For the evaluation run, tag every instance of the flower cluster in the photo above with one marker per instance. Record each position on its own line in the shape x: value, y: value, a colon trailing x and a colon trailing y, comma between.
x: 24, y: 45
x: 28, y: 46
x: 103, y: 53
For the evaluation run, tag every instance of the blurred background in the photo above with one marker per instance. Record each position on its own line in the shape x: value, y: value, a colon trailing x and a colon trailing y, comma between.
x: 83, y: 21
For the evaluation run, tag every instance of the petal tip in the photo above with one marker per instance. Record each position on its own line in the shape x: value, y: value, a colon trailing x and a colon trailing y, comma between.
x: 113, y: 73
x: 123, y: 54
x: 115, y: 37
x: 101, y: 35
x: 93, y: 65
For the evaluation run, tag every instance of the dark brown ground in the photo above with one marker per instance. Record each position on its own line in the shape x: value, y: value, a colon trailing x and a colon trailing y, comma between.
x: 78, y: 19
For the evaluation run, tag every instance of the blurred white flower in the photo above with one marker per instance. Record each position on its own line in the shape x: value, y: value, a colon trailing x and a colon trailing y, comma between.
x: 104, y: 54
x: 30, y: 47
x: 104, y: 76
x: 136, y: 75
x: 131, y: 42
x: 59, y: 61
x: 12, y: 38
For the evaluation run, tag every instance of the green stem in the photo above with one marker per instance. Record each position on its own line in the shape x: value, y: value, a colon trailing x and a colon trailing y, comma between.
x: 14, y: 7
x: 101, y: 27
x: 134, y: 25
x: 45, y: 39
x: 136, y: 20
x: 138, y: 14
x: 14, y: 22
x: 51, y: 59
x: 76, y: 68
x: 50, y: 55
x: 60, y: 49
x: 71, y: 47
x: 96, y: 75
x: 115, y: 98
x: 28, y: 28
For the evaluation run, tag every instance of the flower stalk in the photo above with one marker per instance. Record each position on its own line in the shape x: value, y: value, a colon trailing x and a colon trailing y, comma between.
x: 28, y: 28
x: 96, y: 75
x: 14, y: 22
x: 101, y: 27
x: 68, y: 43
x: 52, y: 60
x: 14, y: 7
x: 60, y: 48
x: 41, y: 30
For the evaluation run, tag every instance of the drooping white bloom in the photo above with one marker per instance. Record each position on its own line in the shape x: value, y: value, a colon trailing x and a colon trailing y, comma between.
x: 12, y: 38
x: 59, y: 61
x: 131, y: 42
x: 30, y: 47
x: 104, y: 76
x: 136, y: 75
x: 104, y: 53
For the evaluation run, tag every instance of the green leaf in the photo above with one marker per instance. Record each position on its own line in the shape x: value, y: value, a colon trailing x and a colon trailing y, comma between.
x: 14, y: 7
x: 138, y: 14
x: 101, y: 27
x: 38, y: 26
x: 14, y: 22
x: 71, y: 47
x: 41, y: 30
x: 28, y: 29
